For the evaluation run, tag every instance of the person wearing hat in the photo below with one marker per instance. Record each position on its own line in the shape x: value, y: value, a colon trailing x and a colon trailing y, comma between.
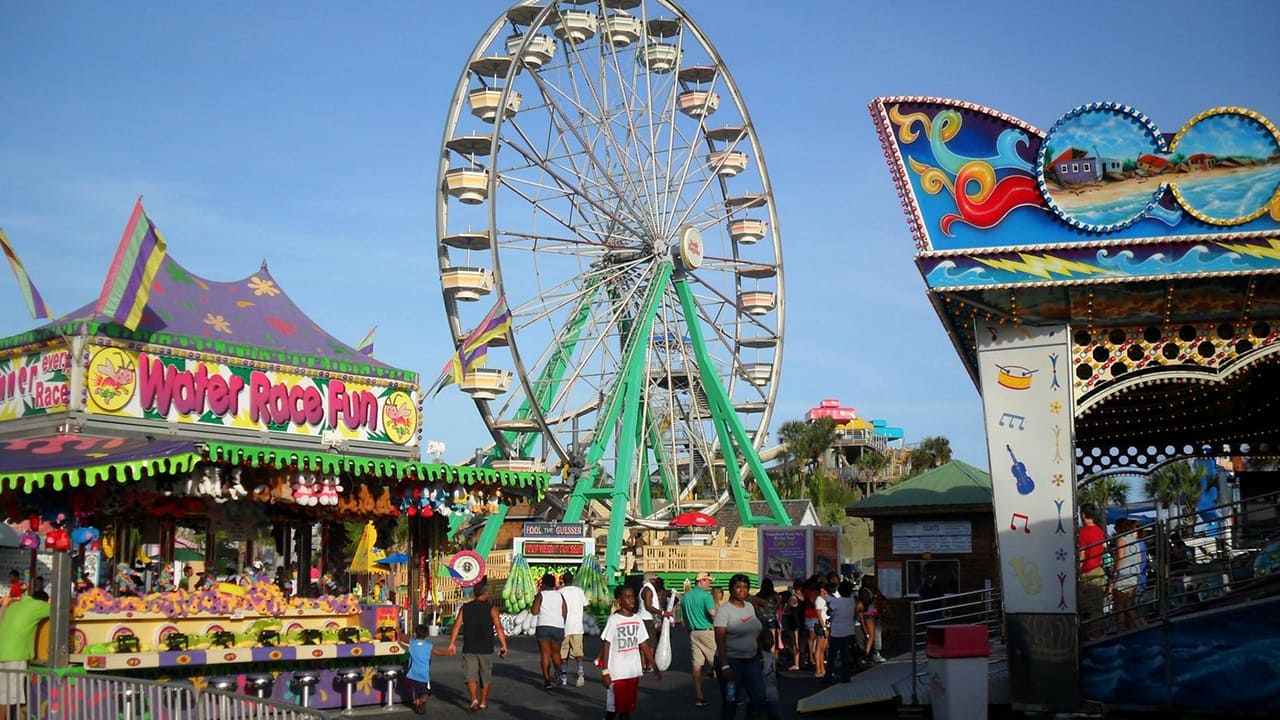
x: 698, y: 610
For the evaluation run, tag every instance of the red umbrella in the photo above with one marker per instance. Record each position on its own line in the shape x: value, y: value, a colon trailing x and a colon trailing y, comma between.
x: 693, y: 519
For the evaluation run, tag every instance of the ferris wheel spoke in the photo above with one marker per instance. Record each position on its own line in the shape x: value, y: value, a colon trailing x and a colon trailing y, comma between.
x: 603, y: 325
x: 559, y: 118
x: 572, y: 192
x: 551, y: 300
x: 603, y: 121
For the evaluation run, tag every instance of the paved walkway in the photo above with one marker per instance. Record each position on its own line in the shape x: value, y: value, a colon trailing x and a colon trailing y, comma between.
x: 517, y: 691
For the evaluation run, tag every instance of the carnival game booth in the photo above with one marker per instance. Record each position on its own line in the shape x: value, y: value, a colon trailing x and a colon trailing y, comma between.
x: 227, y: 412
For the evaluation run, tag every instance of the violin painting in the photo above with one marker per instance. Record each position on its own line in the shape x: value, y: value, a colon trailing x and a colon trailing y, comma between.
x: 1019, y: 469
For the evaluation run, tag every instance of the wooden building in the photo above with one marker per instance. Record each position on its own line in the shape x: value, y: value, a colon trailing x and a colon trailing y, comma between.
x: 935, y: 532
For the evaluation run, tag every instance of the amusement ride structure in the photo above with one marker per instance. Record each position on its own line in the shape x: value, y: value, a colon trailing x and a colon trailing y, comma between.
x: 600, y: 176
x: 1112, y: 290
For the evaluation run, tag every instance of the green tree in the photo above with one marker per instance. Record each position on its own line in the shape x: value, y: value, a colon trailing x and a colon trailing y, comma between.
x: 1104, y: 492
x: 933, y: 451
x: 1175, y: 486
x: 807, y: 441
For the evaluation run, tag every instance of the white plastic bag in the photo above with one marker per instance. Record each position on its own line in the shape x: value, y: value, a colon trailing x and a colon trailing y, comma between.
x: 662, y: 656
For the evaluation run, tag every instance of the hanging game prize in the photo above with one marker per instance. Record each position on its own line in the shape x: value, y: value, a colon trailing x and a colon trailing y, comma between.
x: 467, y: 567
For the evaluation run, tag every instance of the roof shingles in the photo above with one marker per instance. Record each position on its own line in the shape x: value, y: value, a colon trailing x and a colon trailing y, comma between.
x: 954, y: 484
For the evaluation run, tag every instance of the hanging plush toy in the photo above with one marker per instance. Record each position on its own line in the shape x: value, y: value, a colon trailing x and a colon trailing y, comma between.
x: 58, y: 539
x: 304, y: 492
x: 234, y: 490
x: 329, y: 489
x: 409, y: 499
x: 30, y: 540
x: 210, y: 484
x: 84, y: 535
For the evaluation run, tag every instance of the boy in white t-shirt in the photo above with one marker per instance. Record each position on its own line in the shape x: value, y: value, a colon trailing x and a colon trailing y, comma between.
x: 575, y: 604
x: 624, y: 653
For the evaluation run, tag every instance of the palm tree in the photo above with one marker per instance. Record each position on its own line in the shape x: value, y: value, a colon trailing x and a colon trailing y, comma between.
x: 933, y: 451
x: 1104, y: 492
x: 1175, y: 486
x: 807, y: 441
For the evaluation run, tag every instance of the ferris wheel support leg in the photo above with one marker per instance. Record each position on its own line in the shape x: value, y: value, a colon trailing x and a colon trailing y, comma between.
x: 623, y: 402
x: 727, y: 418
x: 644, y: 494
x: 492, y: 525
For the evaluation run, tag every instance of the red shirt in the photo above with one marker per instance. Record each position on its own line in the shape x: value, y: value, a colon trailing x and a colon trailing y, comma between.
x: 1091, y: 537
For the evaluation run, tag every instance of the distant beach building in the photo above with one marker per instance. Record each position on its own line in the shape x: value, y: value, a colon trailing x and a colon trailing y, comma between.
x: 1152, y: 165
x: 1236, y: 161
x: 1202, y: 161
x: 1077, y: 167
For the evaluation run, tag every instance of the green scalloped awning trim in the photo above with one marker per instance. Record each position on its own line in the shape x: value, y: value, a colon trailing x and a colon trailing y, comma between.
x: 184, y: 343
x: 385, y: 468
x: 123, y: 471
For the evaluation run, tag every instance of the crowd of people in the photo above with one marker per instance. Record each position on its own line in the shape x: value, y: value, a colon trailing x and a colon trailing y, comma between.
x: 740, y: 640
x: 1117, y: 568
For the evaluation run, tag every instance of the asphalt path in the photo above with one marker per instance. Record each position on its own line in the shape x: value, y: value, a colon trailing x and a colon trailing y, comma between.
x: 518, y: 693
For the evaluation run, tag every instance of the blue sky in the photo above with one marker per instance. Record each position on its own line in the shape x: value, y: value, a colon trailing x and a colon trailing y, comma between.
x: 308, y: 134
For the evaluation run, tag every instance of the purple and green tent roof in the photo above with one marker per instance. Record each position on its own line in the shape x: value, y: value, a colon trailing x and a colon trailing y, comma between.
x: 249, y: 319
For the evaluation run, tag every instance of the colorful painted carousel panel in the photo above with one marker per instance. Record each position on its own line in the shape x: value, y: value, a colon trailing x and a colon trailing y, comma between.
x: 975, y: 179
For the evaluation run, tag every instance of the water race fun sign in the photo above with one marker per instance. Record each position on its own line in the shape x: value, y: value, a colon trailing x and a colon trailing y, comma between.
x: 126, y: 383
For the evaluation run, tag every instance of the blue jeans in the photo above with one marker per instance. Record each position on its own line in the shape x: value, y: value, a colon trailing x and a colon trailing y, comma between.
x: 749, y: 679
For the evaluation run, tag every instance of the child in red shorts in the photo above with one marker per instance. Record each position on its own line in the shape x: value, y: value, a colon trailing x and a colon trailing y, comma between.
x: 624, y: 653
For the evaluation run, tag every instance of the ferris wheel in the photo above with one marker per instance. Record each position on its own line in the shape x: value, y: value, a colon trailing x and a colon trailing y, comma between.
x: 599, y: 173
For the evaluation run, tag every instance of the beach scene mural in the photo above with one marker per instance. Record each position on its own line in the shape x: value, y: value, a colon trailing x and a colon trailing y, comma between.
x: 1104, y: 167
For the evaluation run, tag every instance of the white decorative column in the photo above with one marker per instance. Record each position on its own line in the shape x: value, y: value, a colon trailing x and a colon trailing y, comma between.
x: 1025, y: 381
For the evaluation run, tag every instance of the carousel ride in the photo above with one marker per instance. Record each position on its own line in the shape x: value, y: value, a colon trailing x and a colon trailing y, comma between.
x: 600, y: 176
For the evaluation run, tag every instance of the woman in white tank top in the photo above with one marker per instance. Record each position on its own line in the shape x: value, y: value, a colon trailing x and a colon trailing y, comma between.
x: 550, y: 609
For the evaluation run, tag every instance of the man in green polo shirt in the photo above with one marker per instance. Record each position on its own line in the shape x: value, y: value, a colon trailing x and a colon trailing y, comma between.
x: 699, y: 610
x: 18, y: 645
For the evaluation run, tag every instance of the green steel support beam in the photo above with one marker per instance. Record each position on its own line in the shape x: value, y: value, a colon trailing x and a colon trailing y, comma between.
x: 723, y: 413
x: 632, y: 371
x: 544, y: 389
x: 669, y: 488
x: 646, y: 494
x: 490, y: 533
x: 553, y: 373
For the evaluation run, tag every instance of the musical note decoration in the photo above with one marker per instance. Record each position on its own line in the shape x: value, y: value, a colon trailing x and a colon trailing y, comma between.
x: 1019, y: 469
x: 1008, y: 419
x: 1026, y: 522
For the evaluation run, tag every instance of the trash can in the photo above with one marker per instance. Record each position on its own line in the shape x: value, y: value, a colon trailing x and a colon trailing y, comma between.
x: 957, y: 671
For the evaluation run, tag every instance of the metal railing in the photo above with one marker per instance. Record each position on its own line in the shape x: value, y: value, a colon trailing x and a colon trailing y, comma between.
x: 48, y: 695
x: 1193, y: 561
x: 977, y: 607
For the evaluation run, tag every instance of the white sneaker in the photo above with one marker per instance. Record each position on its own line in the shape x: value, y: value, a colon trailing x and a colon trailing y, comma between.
x: 877, y: 658
x: 582, y: 680
x: 564, y: 680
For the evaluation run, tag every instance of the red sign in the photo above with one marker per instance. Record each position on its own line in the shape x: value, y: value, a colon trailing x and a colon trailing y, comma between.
x: 553, y: 549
